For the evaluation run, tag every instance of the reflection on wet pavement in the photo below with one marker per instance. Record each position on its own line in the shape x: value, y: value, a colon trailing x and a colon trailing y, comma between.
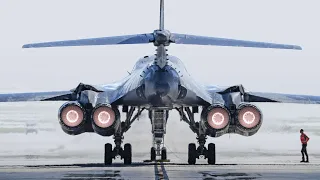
x: 229, y: 176
x: 98, y: 175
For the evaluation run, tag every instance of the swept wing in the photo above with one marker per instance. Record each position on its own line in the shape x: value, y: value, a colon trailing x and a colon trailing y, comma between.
x: 249, y: 96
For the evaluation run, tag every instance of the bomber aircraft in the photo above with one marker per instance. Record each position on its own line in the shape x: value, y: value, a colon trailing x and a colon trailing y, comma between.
x: 159, y: 84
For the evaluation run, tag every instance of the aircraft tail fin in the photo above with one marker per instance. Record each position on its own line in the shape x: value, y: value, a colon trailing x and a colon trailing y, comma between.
x: 161, y: 15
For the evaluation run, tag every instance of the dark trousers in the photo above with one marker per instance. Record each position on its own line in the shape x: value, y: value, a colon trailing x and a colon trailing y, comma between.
x: 304, y: 152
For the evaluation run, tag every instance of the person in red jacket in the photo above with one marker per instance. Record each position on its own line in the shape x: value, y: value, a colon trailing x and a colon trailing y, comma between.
x: 304, y: 141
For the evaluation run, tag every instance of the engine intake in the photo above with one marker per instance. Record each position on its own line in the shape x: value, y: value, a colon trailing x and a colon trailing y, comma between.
x: 105, y: 119
x: 216, y: 120
x: 72, y: 118
x: 249, y: 119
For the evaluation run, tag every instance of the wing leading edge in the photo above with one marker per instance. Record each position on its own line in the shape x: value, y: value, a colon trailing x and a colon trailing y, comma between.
x: 37, y: 96
x: 107, y: 92
x: 49, y: 96
x: 264, y: 96
x: 281, y: 98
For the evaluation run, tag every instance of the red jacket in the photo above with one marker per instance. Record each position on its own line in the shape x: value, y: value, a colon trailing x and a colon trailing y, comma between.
x: 304, y: 138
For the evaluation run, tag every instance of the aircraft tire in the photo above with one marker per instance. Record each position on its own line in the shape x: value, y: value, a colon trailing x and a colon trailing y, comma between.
x: 192, y: 153
x: 127, y: 152
x: 108, y: 154
x: 211, y: 154
x: 153, y: 154
x: 164, y: 153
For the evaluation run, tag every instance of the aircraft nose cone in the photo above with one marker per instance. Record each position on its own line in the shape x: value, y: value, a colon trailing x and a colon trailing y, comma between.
x: 162, y: 89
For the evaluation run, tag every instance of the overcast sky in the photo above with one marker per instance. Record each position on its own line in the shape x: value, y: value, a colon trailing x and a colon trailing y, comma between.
x: 268, y: 70
x: 285, y: 21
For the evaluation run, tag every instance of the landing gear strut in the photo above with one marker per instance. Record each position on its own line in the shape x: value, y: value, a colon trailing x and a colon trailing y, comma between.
x: 195, y: 153
x: 158, y: 121
x: 126, y: 152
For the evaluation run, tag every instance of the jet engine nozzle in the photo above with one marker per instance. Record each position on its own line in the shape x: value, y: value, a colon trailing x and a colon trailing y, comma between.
x: 105, y: 119
x: 216, y: 119
x: 72, y: 117
x: 249, y: 119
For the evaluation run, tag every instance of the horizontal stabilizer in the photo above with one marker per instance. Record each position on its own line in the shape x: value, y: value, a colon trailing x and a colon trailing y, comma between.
x: 203, y: 40
x: 127, y: 39
x: 162, y: 37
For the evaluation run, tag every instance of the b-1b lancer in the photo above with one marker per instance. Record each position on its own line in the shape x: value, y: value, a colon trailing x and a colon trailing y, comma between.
x: 159, y: 84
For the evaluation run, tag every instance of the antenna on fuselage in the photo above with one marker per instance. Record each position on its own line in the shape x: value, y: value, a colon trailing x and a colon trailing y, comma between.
x: 161, y: 25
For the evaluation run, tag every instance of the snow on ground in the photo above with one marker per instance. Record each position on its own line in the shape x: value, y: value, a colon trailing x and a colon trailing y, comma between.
x: 276, y: 142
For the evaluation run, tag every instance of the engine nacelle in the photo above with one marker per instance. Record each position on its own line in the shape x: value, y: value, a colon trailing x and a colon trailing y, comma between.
x: 248, y: 119
x: 215, y: 119
x: 72, y: 117
x: 105, y: 119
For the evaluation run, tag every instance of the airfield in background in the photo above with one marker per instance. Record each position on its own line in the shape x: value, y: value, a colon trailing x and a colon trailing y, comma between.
x: 276, y: 142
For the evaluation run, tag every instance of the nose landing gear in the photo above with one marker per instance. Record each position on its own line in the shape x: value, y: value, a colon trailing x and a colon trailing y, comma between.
x: 158, y: 122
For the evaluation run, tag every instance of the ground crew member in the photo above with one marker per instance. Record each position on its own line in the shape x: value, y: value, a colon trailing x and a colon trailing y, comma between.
x: 304, y: 141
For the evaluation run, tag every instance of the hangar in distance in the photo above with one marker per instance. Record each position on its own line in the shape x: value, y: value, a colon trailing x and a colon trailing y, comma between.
x: 159, y: 84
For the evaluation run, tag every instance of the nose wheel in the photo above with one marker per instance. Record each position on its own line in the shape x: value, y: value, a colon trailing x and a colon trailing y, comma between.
x: 164, y: 154
x: 153, y: 154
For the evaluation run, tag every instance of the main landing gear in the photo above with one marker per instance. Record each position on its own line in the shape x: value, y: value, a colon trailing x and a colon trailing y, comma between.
x: 125, y: 153
x: 194, y: 152
x: 158, y: 121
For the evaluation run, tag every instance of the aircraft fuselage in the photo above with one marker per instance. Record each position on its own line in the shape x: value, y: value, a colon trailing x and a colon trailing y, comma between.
x: 161, y: 85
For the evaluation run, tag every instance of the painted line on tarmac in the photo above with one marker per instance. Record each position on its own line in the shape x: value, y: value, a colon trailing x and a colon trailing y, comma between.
x: 160, y: 173
x: 164, y: 171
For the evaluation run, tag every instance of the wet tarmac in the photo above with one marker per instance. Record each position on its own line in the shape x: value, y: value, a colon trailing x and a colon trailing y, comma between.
x: 159, y: 171
x: 273, y: 153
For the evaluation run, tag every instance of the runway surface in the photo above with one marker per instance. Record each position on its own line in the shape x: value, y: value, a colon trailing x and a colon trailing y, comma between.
x: 273, y: 153
x: 164, y: 171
